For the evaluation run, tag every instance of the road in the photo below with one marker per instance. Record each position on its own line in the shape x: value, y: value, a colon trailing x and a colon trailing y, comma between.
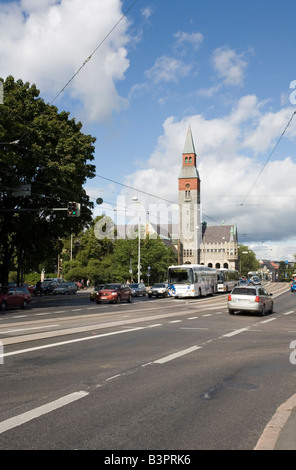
x: 157, y: 374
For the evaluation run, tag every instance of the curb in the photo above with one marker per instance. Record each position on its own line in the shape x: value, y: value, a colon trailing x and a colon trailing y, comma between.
x: 273, y: 429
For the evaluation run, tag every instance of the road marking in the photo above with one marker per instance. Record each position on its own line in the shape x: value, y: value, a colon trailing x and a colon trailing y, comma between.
x: 288, y: 313
x: 25, y: 329
x: 175, y: 355
x: 62, y: 343
x: 192, y: 318
x: 41, y: 410
x: 175, y: 321
x: 236, y: 332
x: 267, y: 321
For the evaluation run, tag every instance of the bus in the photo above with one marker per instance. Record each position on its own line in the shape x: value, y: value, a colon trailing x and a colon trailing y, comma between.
x: 227, y: 279
x: 192, y: 280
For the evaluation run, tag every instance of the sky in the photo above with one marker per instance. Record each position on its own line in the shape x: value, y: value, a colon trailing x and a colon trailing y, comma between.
x: 138, y: 73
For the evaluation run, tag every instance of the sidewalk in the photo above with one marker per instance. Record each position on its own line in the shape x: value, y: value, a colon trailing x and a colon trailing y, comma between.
x: 280, y: 432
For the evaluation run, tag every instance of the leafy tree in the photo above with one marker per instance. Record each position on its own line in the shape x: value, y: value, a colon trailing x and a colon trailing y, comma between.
x: 46, y: 149
x: 247, y: 260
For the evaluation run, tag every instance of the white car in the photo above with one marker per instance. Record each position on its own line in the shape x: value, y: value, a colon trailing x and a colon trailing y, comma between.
x: 250, y: 299
x: 159, y: 290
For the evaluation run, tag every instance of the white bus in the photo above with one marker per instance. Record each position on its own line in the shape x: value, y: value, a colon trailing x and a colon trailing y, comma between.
x: 192, y: 280
x: 227, y: 279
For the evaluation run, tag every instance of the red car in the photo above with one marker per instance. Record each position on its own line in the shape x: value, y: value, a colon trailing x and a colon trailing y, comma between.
x: 14, y: 296
x: 114, y: 293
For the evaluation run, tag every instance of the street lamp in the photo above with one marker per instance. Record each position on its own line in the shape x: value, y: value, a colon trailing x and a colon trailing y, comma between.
x: 139, y: 244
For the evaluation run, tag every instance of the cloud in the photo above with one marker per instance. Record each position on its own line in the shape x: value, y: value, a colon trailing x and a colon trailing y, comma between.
x: 229, y: 65
x: 228, y: 165
x: 48, y: 42
x: 168, y: 69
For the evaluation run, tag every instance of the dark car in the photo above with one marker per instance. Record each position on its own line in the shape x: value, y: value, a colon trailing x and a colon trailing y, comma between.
x: 14, y: 296
x: 114, y: 293
x: 138, y: 288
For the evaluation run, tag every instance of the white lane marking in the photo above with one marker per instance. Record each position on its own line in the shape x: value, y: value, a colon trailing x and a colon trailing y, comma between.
x: 236, y: 332
x: 175, y: 355
x: 41, y: 410
x: 192, y: 318
x: 288, y: 313
x: 25, y: 329
x: 77, y: 340
x: 267, y: 321
x: 175, y: 321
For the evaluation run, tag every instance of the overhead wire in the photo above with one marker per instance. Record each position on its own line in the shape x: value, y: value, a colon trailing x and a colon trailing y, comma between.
x: 271, y: 153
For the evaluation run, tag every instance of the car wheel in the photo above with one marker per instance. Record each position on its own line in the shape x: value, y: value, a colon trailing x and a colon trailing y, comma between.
x: 271, y: 308
x: 117, y: 301
x: 263, y: 311
x: 25, y: 304
x: 98, y: 301
x: 149, y: 295
x: 129, y: 299
x: 3, y: 306
x: 231, y: 312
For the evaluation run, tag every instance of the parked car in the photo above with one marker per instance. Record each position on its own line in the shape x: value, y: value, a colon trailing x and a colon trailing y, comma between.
x: 159, y: 290
x: 114, y: 293
x: 93, y: 293
x: 14, y: 296
x: 48, y: 284
x: 293, y: 286
x: 138, y: 288
x: 250, y: 299
x: 65, y: 288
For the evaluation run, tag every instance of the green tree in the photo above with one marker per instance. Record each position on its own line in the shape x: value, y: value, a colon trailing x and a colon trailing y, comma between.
x: 247, y: 260
x: 46, y: 149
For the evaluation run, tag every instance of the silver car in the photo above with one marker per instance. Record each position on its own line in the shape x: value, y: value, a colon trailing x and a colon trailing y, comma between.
x: 250, y: 299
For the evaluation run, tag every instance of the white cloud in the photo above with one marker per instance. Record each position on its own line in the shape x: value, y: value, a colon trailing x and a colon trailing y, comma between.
x: 168, y: 69
x: 229, y: 65
x: 227, y: 171
x: 46, y: 42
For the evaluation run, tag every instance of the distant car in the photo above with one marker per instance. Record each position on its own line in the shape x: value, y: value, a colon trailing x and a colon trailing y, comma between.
x: 138, y: 289
x: 114, y: 293
x: 293, y: 286
x: 159, y: 290
x: 65, y: 288
x: 14, y: 296
x: 250, y: 299
x: 243, y: 282
x: 255, y: 280
x: 94, y: 292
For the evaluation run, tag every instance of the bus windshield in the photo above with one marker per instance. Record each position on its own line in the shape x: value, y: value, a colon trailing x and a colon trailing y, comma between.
x: 180, y: 276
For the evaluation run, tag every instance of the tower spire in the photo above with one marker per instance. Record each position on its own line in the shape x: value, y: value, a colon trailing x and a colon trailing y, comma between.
x: 189, y: 144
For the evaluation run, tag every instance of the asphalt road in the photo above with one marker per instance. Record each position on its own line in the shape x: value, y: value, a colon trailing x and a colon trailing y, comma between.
x: 157, y: 374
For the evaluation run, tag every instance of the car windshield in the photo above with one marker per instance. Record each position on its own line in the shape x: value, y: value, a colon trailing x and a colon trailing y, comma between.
x: 134, y: 285
x: 244, y: 291
x: 111, y: 286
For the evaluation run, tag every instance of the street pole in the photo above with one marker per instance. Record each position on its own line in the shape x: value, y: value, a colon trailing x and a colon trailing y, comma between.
x: 139, y: 243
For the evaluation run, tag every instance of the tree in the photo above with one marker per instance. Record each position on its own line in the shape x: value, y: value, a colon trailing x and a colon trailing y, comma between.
x: 47, y: 150
x: 247, y: 260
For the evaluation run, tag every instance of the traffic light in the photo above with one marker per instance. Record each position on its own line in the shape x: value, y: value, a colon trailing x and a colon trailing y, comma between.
x: 73, y: 209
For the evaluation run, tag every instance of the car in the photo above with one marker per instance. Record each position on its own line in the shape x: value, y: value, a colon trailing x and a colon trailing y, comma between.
x: 65, y: 288
x: 48, y: 284
x: 159, y: 290
x: 293, y: 286
x: 14, y: 296
x: 255, y: 280
x: 251, y: 298
x: 138, y: 288
x: 94, y: 292
x: 114, y: 293
x: 243, y: 282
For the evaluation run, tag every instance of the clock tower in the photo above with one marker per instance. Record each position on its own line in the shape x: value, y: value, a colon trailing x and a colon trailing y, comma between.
x: 190, y: 228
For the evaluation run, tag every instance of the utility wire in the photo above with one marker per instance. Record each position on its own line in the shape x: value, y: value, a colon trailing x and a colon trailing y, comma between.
x: 277, y: 143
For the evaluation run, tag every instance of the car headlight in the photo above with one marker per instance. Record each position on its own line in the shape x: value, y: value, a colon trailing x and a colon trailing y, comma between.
x: 113, y: 293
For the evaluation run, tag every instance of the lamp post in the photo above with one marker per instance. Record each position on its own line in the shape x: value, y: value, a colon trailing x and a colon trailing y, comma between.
x: 139, y: 243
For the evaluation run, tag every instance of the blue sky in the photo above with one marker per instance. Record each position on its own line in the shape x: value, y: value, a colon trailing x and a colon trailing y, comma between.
x: 223, y: 67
